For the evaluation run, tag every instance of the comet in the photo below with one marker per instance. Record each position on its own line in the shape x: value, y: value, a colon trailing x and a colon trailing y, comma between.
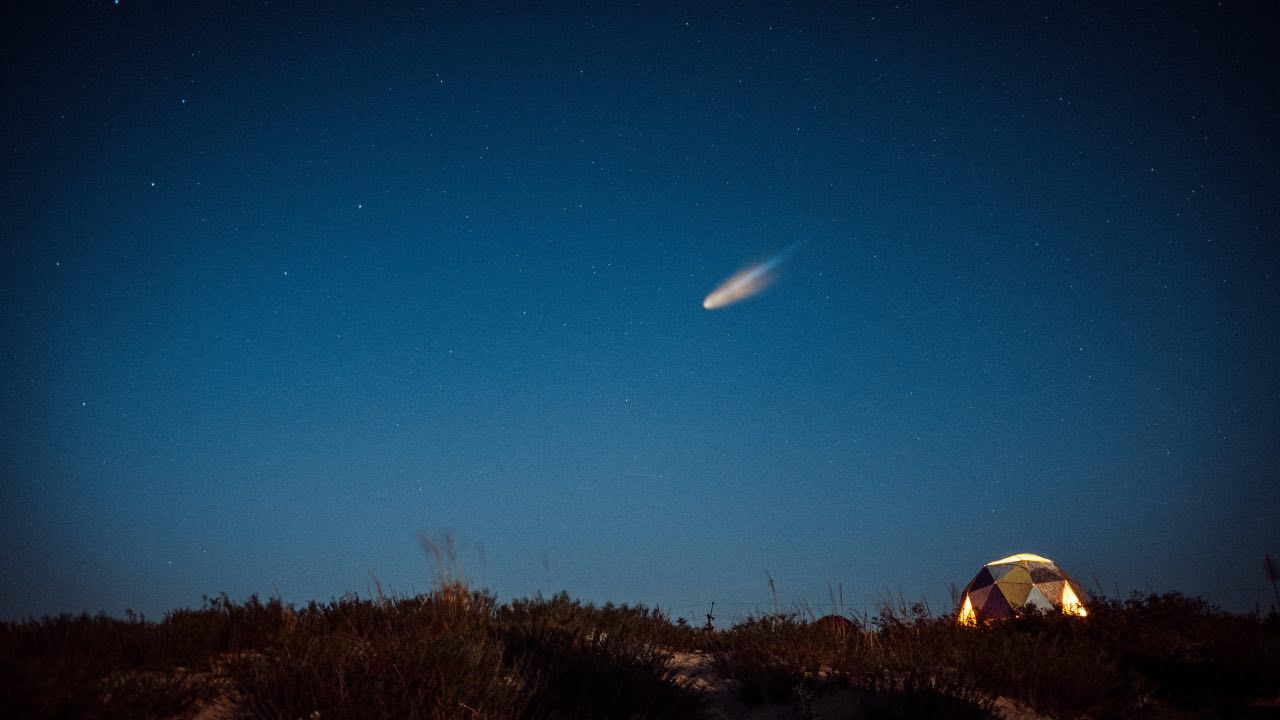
x: 747, y: 282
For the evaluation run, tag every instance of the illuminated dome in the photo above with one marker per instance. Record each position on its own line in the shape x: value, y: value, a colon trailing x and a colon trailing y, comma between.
x: 1003, y: 587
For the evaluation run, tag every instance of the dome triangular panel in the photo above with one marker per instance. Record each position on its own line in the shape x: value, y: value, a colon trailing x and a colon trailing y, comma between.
x: 1003, y: 587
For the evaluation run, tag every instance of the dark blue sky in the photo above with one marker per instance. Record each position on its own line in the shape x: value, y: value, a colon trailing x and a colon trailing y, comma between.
x: 282, y: 286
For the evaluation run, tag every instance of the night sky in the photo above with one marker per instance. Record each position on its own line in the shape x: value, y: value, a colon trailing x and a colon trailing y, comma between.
x: 283, y: 285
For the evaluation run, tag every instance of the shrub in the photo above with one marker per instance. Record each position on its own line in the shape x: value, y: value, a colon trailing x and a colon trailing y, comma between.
x: 458, y: 653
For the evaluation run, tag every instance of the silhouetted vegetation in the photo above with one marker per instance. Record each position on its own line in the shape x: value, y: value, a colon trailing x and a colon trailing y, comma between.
x: 1154, y: 656
x: 457, y: 653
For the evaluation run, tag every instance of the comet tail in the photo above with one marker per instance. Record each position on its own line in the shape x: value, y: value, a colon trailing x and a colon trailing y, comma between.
x: 746, y: 283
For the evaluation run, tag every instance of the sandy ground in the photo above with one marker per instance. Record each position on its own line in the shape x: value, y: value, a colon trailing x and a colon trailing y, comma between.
x: 697, y: 671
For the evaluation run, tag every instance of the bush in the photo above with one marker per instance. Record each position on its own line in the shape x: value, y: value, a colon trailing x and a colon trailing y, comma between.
x: 1153, y: 656
x: 429, y: 658
x: 594, y: 662
x: 457, y: 653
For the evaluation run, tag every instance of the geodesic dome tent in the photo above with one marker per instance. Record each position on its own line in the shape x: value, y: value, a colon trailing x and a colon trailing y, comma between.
x: 1003, y: 587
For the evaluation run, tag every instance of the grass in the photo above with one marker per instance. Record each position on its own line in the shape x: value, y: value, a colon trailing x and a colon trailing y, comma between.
x: 458, y: 653
x: 1152, y: 656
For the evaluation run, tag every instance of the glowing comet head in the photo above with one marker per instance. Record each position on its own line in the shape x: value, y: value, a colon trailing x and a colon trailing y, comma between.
x: 745, y: 283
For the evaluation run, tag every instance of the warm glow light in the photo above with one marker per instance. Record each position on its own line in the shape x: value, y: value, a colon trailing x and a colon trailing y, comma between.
x: 747, y: 282
x: 740, y: 287
x: 1071, y: 604
x: 967, y: 615
x: 1020, y: 557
